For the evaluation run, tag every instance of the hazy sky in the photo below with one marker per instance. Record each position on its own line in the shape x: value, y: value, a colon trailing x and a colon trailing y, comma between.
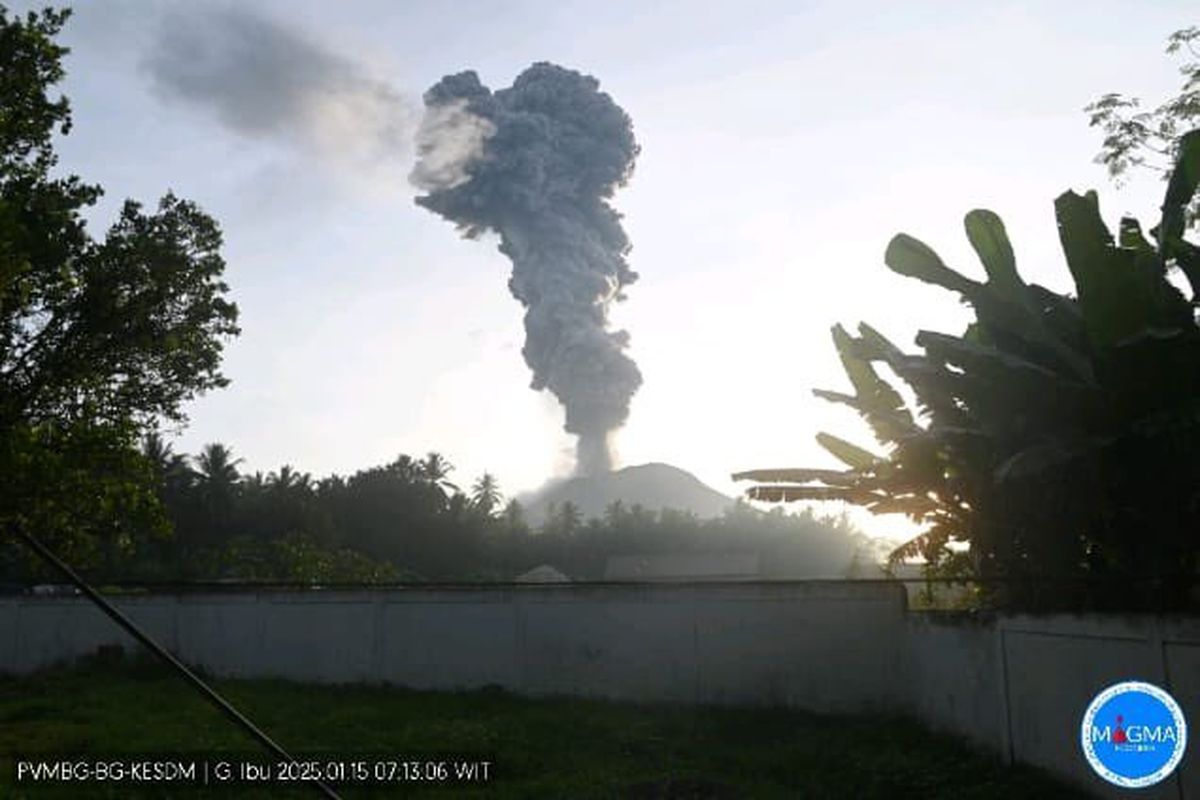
x: 783, y: 144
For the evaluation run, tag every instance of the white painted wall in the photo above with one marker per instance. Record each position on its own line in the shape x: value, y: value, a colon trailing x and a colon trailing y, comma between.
x: 1019, y: 685
x: 799, y: 644
x: 1015, y: 685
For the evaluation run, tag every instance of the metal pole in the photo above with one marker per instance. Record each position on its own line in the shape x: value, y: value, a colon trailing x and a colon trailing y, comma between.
x: 133, y: 630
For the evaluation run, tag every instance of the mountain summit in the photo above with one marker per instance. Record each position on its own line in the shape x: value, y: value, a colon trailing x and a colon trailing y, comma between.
x: 653, y: 486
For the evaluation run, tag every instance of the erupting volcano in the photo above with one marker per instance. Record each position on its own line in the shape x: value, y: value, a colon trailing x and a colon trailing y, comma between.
x: 537, y: 163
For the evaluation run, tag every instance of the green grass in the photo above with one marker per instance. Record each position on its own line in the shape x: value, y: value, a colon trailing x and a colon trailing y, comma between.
x: 553, y: 748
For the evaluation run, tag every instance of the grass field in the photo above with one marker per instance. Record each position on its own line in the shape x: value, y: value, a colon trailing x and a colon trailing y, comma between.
x: 539, y: 748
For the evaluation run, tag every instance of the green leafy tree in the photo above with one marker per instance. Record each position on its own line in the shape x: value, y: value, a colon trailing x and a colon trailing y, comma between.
x: 400, y: 513
x: 81, y: 486
x: 1150, y: 139
x: 100, y: 339
x: 1056, y: 437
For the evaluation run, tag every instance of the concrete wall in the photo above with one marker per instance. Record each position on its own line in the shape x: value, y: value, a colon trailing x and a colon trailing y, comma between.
x: 800, y: 644
x: 1015, y: 685
x: 1019, y: 685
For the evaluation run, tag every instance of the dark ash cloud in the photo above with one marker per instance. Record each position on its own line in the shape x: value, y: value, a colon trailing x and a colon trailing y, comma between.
x: 263, y: 79
x: 537, y: 163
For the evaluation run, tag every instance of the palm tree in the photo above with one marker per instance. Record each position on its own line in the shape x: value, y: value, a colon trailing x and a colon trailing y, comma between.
x: 457, y: 506
x: 172, y: 468
x: 436, y: 469
x: 255, y: 483
x: 639, y: 517
x: 568, y: 518
x: 288, y: 478
x: 218, y: 478
x: 485, y: 493
x: 513, y: 515
x: 614, y: 513
x: 217, y: 466
x: 156, y: 451
x: 406, y: 468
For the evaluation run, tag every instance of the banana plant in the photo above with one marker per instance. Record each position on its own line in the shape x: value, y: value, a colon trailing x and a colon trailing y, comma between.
x: 1057, y: 436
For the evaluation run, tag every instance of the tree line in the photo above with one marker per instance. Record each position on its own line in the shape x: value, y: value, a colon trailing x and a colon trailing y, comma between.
x: 407, y: 521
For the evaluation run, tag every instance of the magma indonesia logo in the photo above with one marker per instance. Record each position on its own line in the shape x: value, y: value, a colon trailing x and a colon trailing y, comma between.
x: 1133, y: 734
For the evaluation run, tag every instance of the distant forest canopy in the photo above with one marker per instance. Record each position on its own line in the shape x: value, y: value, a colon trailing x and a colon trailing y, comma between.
x: 408, y: 521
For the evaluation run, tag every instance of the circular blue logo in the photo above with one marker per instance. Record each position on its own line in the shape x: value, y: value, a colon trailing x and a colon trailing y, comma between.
x: 1133, y: 734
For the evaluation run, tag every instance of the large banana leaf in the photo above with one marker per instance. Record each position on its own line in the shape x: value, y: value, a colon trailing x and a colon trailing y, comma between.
x: 881, y: 405
x: 849, y: 454
x: 988, y: 237
x: 1181, y: 188
x: 1117, y: 299
x: 792, y: 493
x: 906, y: 255
x: 1053, y: 427
x: 791, y: 475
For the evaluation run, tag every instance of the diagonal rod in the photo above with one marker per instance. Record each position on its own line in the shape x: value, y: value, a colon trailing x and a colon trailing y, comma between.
x: 210, y: 694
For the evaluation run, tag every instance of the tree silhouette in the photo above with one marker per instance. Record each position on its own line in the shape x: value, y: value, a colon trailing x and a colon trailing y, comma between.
x: 513, y: 516
x: 256, y: 483
x: 436, y: 469
x: 1137, y: 139
x: 217, y: 468
x: 485, y: 494
x: 566, y: 519
x: 614, y: 513
x: 172, y: 468
x: 217, y: 483
x: 389, y: 522
x: 1050, y: 430
x: 100, y: 338
x: 407, y: 468
x: 288, y: 479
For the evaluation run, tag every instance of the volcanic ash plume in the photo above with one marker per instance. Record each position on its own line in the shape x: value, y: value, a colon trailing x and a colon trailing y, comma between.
x: 537, y: 164
x: 261, y: 78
